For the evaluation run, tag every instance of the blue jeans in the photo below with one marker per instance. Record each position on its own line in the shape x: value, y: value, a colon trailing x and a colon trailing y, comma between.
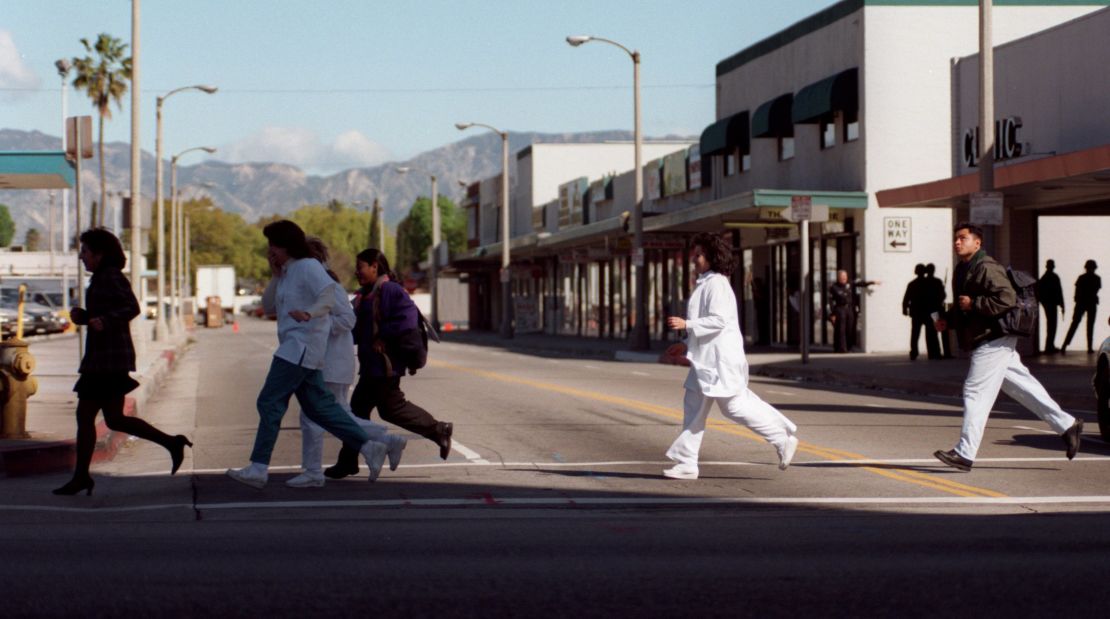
x: 286, y: 379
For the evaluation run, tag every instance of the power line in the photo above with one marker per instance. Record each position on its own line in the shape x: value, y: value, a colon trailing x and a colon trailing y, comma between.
x: 408, y: 90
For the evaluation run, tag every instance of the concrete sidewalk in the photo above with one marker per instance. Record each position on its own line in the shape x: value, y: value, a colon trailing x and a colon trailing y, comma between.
x: 50, y: 412
x: 1066, y: 377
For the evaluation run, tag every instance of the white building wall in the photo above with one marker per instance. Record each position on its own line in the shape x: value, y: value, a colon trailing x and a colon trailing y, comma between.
x: 907, y: 128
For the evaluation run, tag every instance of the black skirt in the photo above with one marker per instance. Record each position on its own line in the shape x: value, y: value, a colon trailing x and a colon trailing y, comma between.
x: 104, y: 385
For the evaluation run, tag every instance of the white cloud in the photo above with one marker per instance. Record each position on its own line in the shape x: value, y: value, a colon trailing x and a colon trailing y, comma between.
x: 304, y: 149
x: 14, y: 71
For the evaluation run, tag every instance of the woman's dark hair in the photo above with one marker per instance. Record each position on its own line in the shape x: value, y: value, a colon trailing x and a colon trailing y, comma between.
x: 374, y: 256
x: 102, y: 242
x: 288, y: 236
x: 718, y: 251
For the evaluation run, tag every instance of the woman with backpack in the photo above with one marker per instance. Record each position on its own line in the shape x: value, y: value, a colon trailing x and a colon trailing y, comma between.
x: 385, y: 316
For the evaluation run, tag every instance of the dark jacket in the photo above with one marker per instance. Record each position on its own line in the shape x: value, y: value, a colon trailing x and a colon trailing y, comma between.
x: 985, y: 281
x: 1086, y: 289
x: 396, y: 315
x: 110, y: 299
x: 1049, y: 291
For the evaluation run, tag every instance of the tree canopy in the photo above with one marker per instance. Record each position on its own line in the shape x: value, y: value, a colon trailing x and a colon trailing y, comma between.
x: 414, y: 233
x: 344, y: 229
x: 7, y: 226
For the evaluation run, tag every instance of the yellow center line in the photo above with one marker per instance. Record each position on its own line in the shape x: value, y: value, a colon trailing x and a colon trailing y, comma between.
x: 903, y: 475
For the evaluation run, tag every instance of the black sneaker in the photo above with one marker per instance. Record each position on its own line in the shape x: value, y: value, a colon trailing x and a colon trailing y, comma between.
x: 1072, y: 436
x: 341, y: 470
x: 953, y: 459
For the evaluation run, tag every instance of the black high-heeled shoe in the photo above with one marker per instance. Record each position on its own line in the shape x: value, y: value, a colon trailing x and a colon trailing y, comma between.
x: 177, y: 451
x: 76, y: 485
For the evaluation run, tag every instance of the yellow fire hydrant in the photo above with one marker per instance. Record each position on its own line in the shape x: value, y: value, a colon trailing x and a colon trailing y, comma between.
x: 16, y: 382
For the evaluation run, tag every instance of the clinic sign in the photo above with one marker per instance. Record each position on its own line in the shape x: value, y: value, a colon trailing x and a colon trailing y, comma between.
x: 1007, y: 143
x: 897, y: 234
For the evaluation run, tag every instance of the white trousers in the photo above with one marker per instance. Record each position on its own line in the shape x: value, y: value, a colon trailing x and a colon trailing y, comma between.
x: 747, y: 409
x: 996, y: 366
x: 312, y: 435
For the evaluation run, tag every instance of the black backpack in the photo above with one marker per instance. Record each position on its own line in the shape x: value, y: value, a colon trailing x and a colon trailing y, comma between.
x: 410, y: 347
x: 1022, y: 318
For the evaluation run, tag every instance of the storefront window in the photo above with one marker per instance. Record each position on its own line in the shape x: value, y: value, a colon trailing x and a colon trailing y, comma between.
x: 786, y: 148
x: 828, y: 133
x: 851, y: 126
x: 730, y: 164
x: 745, y: 163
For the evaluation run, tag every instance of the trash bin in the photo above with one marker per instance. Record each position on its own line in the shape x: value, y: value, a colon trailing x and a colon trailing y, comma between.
x: 214, y: 313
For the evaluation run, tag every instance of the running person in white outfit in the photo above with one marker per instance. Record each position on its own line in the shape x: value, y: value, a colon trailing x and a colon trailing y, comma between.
x: 718, y: 367
x: 339, y: 372
x: 983, y: 293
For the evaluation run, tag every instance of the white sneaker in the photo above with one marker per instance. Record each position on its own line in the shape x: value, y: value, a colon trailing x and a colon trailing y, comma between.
x: 306, y: 480
x: 681, y: 471
x: 787, y: 453
x: 375, y: 453
x: 396, y: 448
x: 249, y: 476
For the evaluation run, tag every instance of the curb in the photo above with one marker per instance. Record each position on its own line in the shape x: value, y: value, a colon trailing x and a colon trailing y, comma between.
x: 57, y: 456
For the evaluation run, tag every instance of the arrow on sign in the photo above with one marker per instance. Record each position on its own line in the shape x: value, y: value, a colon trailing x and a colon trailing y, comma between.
x: 897, y: 244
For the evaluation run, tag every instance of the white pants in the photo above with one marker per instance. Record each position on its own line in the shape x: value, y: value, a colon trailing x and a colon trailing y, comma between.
x: 996, y: 366
x: 312, y: 435
x: 747, y: 409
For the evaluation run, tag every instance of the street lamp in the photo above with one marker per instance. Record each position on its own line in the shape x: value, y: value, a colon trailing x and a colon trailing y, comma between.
x: 160, y: 319
x: 63, y: 65
x: 175, y: 234
x: 506, y: 280
x: 434, y: 279
x: 639, y: 339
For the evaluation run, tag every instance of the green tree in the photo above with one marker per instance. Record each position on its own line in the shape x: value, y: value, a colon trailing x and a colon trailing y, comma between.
x: 342, y: 228
x: 104, y: 74
x: 33, y: 239
x: 7, y: 226
x: 219, y: 237
x: 414, y: 232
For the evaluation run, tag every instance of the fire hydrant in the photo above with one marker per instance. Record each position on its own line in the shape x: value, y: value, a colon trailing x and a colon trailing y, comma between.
x: 16, y: 385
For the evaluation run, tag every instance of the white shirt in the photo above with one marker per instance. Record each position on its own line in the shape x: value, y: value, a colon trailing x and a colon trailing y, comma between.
x: 303, y: 285
x: 714, y: 346
x: 339, y: 359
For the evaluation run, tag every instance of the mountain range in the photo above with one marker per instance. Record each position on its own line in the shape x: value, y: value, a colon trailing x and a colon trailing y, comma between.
x: 255, y: 190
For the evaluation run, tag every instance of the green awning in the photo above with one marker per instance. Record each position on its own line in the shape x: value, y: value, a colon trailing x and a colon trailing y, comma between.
x: 35, y: 170
x: 819, y: 100
x: 773, y: 119
x: 726, y: 134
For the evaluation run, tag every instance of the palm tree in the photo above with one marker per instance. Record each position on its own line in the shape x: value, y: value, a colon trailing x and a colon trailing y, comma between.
x: 104, y: 78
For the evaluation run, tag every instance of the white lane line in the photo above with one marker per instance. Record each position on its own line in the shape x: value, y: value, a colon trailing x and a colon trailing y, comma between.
x: 781, y: 392
x: 468, y: 453
x: 876, y: 405
x: 490, y: 500
x: 591, y: 367
x: 1042, y: 431
x: 638, y: 373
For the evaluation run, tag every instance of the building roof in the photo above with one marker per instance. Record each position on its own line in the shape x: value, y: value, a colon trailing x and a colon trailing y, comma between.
x: 35, y: 170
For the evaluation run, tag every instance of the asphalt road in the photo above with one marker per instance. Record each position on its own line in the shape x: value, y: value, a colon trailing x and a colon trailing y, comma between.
x: 552, y: 504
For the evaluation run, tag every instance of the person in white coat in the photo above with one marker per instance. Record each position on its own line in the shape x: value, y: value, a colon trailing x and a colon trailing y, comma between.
x: 339, y: 372
x: 718, y: 367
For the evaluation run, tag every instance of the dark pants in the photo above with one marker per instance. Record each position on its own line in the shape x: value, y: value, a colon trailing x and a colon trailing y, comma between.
x: 1050, y: 328
x: 1076, y: 316
x: 932, y: 343
x: 844, y: 329
x: 385, y: 394
x: 87, y: 408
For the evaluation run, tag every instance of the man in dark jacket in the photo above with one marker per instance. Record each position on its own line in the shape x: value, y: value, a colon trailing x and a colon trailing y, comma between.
x: 983, y: 294
x: 919, y: 303
x: 1086, y: 302
x: 1051, y: 296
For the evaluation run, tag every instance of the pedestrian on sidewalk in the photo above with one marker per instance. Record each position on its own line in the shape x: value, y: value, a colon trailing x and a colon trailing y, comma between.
x: 918, y: 303
x: 302, y: 298
x: 1051, y: 295
x: 385, y: 315
x: 937, y: 295
x: 718, y: 368
x: 1086, y: 302
x: 983, y: 295
x: 109, y: 356
x: 844, y: 310
x: 339, y: 373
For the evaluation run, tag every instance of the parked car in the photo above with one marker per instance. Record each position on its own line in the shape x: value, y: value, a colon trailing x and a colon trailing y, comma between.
x: 1102, y: 388
x: 37, y: 320
x: 7, y: 323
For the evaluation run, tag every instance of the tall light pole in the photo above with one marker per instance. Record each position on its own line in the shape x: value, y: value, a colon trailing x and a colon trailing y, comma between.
x: 136, y: 173
x: 175, y: 208
x: 506, y: 275
x: 63, y: 65
x: 433, y: 281
x: 639, y: 339
x: 160, y: 327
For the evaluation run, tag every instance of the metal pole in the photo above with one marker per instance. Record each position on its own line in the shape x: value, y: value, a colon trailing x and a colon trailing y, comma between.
x: 138, y: 328
x: 52, y: 246
x: 77, y: 208
x: 986, y: 109
x: 160, y: 332
x: 66, y: 241
x: 506, y: 276
x: 381, y: 226
x: 803, y: 292
x: 434, y: 282
x: 187, y: 281
x: 640, y: 338
x: 175, y: 265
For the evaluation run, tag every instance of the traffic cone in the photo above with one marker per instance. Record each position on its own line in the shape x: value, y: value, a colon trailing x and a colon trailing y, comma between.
x: 235, y: 327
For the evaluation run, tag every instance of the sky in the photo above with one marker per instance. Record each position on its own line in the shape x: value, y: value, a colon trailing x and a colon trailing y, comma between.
x: 337, y: 84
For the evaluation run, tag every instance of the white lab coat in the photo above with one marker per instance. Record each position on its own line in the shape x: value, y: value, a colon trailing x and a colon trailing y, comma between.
x: 714, y: 346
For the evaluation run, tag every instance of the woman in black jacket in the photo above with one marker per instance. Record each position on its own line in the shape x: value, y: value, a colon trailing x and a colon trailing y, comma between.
x: 109, y: 356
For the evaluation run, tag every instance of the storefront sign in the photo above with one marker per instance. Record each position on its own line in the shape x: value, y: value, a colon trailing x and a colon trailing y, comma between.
x: 986, y: 208
x: 693, y: 166
x: 651, y: 180
x: 897, y: 234
x: 674, y: 173
x: 1007, y: 145
x: 526, y: 314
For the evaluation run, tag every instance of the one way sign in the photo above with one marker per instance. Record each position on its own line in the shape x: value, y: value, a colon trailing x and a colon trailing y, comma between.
x: 897, y: 235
